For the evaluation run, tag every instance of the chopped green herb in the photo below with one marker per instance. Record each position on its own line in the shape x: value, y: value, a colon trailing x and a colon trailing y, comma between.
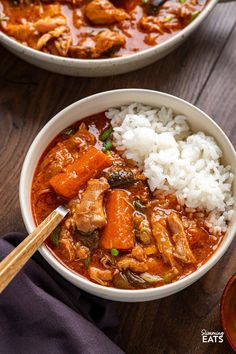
x: 55, y: 236
x: 114, y: 252
x: 87, y: 262
x: 138, y: 205
x: 106, y: 134
x: 194, y: 15
x: 107, y: 145
x: 182, y: 1
x: 168, y: 18
x: 68, y: 131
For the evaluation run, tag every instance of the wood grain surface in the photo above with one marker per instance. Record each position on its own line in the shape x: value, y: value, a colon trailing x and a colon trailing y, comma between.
x: 202, y: 71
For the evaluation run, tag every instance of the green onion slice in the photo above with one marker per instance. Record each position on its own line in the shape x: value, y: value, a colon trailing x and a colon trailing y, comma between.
x: 87, y: 262
x: 106, y: 134
x: 107, y: 145
x: 55, y: 235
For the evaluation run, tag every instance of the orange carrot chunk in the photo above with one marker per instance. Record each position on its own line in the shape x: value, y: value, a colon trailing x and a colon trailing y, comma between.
x: 78, y: 173
x: 119, y: 231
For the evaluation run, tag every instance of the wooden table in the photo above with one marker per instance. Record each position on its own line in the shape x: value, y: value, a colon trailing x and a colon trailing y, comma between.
x: 202, y: 71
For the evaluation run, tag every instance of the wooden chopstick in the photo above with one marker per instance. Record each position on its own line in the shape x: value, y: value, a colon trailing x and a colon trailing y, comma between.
x: 12, y: 264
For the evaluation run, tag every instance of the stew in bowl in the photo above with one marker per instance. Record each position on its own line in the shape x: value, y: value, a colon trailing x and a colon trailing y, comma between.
x: 136, y: 219
x: 98, y: 28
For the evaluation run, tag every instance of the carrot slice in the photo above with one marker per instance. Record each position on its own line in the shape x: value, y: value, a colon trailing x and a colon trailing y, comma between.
x: 119, y: 231
x: 78, y: 173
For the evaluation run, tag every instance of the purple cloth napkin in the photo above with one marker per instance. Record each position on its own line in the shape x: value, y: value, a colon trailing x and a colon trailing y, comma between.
x: 40, y: 312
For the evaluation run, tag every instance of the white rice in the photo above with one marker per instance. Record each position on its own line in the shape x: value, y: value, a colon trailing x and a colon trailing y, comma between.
x: 175, y: 159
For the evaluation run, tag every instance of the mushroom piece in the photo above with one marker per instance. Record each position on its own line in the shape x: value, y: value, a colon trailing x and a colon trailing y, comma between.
x: 129, y: 280
x: 119, y: 176
x: 152, y: 6
x: 103, y: 12
x: 89, y: 240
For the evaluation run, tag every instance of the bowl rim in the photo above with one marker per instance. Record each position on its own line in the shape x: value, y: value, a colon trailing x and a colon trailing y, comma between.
x: 83, y: 282
x: 45, y: 57
x: 230, y: 282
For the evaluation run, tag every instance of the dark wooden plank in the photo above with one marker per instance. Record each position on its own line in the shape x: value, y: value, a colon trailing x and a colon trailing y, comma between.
x: 218, y: 96
x: 197, y: 72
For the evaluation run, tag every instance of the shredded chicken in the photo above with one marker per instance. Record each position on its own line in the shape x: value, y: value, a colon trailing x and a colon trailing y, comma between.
x: 108, y: 40
x: 163, y: 241
x: 103, y: 12
x: 82, y: 252
x: 182, y: 249
x: 100, y: 276
x: 107, y: 261
x: 89, y: 214
x: 104, y: 43
x: 49, y: 33
x: 62, y: 40
x: 133, y: 264
x: 67, y: 247
x: 139, y: 253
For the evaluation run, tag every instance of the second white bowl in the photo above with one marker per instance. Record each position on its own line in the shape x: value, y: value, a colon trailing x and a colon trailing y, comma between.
x: 103, y: 67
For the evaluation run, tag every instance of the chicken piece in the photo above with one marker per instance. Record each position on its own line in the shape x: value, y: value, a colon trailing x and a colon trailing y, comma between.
x: 89, y: 214
x: 136, y: 266
x: 82, y: 252
x: 182, y: 249
x: 163, y: 241
x: 103, y: 12
x: 47, y: 30
x: 66, y: 243
x: 150, y: 250
x: 151, y: 24
x: 107, y: 261
x: 20, y: 32
x: 48, y: 24
x: 139, y: 253
x: 62, y: 40
x: 100, y: 276
x: 107, y: 42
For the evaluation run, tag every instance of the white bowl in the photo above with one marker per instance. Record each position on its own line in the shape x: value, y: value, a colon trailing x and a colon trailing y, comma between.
x: 197, y: 119
x: 103, y: 67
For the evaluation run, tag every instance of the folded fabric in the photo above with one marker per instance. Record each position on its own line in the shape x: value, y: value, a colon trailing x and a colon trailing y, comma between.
x: 40, y: 312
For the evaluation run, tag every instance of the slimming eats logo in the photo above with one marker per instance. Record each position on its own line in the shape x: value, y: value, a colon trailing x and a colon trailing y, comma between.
x: 212, y: 337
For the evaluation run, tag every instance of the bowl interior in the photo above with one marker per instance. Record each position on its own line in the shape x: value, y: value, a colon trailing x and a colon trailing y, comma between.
x: 198, y: 121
